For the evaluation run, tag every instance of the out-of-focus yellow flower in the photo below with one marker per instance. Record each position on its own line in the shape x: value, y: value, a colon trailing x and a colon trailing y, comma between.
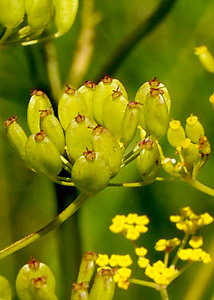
x: 103, y: 260
x: 196, y: 241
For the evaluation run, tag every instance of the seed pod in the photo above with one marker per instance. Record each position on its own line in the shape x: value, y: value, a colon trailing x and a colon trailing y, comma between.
x: 149, y: 159
x: 130, y: 122
x: 104, y: 89
x: 87, y: 91
x: 16, y: 136
x: 104, y: 285
x: 189, y: 151
x: 194, y: 129
x: 42, y: 155
x: 78, y: 136
x: 144, y: 90
x: 11, y: 13
x: 5, y: 289
x: 106, y: 144
x: 39, y: 13
x: 70, y: 105
x: 52, y: 127
x: 33, y: 269
x: 155, y: 114
x: 80, y: 291
x: 205, y: 57
x: 65, y: 14
x: 114, y: 108
x: 39, y: 289
x: 175, y: 133
x: 87, y: 267
x: 91, y: 173
x: 38, y: 102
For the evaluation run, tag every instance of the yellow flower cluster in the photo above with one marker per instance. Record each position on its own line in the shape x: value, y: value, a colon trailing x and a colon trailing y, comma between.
x: 189, y: 222
x: 160, y: 273
x: 131, y: 226
x: 167, y: 245
x: 194, y: 255
x: 121, y: 264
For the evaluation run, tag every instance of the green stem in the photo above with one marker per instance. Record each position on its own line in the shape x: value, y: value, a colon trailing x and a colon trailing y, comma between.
x: 143, y: 282
x: 182, y: 245
x: 199, y: 186
x: 164, y: 294
x: 58, y: 220
x: 140, y: 183
x: 143, y: 29
x: 6, y: 35
x: 62, y: 181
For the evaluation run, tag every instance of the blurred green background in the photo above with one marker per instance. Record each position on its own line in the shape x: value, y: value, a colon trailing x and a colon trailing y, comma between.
x: 29, y: 201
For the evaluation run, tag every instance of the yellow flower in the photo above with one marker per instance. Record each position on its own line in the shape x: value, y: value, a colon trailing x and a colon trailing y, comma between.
x: 116, y: 228
x: 124, y: 260
x: 206, y: 218
x: 196, y: 241
x: 131, y: 218
x: 132, y: 234
x: 205, y: 257
x: 119, y: 219
x: 141, y: 251
x: 123, y: 284
x: 143, y: 262
x: 125, y: 272
x: 142, y: 220
x: 185, y: 254
x: 141, y: 228
x: 113, y: 261
x: 102, y: 260
x: 161, y: 245
x: 196, y: 254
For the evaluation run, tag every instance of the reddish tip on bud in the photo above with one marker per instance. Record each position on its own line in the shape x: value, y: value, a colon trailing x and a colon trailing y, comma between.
x: 39, y: 282
x: 107, y: 79
x: 90, y: 256
x: 133, y: 104
x: 33, y: 263
x: 116, y: 93
x: 69, y: 90
x: 155, y: 92
x: 80, y: 118
x: 10, y: 121
x: 146, y: 144
x: 90, y: 84
x: 45, y: 112
x: 89, y: 155
x: 40, y: 136
x: 80, y: 286
x: 154, y: 83
x: 37, y: 93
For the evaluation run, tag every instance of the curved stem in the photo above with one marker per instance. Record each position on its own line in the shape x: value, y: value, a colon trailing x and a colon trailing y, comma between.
x: 62, y: 217
x: 123, y: 50
x: 143, y: 282
x: 199, y: 186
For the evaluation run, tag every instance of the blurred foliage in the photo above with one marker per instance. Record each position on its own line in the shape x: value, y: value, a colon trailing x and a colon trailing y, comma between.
x: 29, y: 201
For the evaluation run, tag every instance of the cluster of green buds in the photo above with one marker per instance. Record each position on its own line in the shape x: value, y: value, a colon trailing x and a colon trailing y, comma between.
x: 91, y: 138
x: 178, y: 254
x: 191, y: 146
x: 35, y: 281
x: 24, y: 21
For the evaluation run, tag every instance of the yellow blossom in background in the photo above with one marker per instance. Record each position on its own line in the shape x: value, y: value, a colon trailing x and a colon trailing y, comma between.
x: 131, y: 226
x: 141, y: 251
x: 196, y: 241
x: 143, y: 262
x: 160, y: 274
x: 113, y: 261
x: 102, y: 260
x: 167, y: 245
x: 194, y: 255
x: 124, y: 260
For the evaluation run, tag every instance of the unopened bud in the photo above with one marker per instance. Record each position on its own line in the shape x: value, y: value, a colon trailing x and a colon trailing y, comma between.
x: 194, y: 129
x: 175, y: 133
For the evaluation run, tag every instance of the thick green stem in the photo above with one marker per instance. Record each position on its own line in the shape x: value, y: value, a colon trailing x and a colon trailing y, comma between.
x: 62, y: 217
x: 164, y: 294
x: 143, y: 282
x: 199, y: 186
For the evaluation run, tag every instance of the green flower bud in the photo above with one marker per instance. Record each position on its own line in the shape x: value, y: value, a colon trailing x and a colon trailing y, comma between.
x: 52, y: 127
x: 204, y: 146
x: 65, y: 14
x: 33, y: 269
x: 11, y: 13
x: 104, y: 89
x: 205, y: 57
x: 16, y: 135
x: 78, y: 136
x: 80, y: 291
x: 106, y: 144
x: 5, y: 289
x: 144, y: 90
x: 104, y: 285
x: 114, y: 108
x: 175, y: 133
x: 189, y: 151
x: 87, y: 90
x: 42, y: 155
x: 38, y: 102
x: 149, y: 159
x: 171, y: 168
x: 70, y: 105
x: 194, y: 129
x: 87, y: 267
x: 130, y: 122
x: 39, y: 13
x: 155, y: 113
x: 39, y: 289
x: 91, y: 173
